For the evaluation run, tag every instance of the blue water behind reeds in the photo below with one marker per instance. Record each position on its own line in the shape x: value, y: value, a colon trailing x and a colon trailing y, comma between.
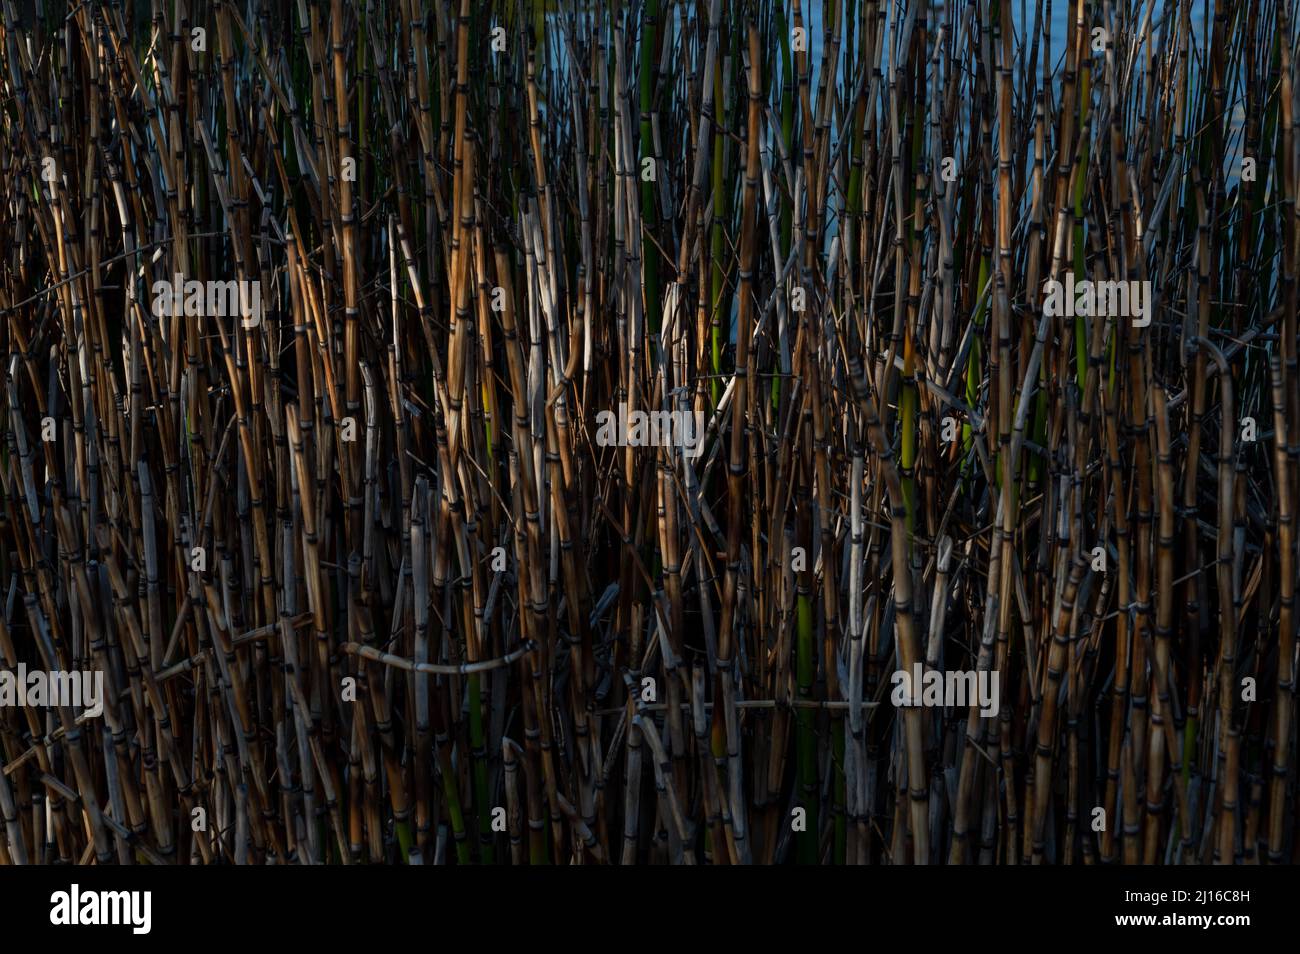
x: 1026, y: 23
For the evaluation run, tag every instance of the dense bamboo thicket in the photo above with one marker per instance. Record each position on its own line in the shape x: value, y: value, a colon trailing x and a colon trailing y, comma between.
x: 365, y: 582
